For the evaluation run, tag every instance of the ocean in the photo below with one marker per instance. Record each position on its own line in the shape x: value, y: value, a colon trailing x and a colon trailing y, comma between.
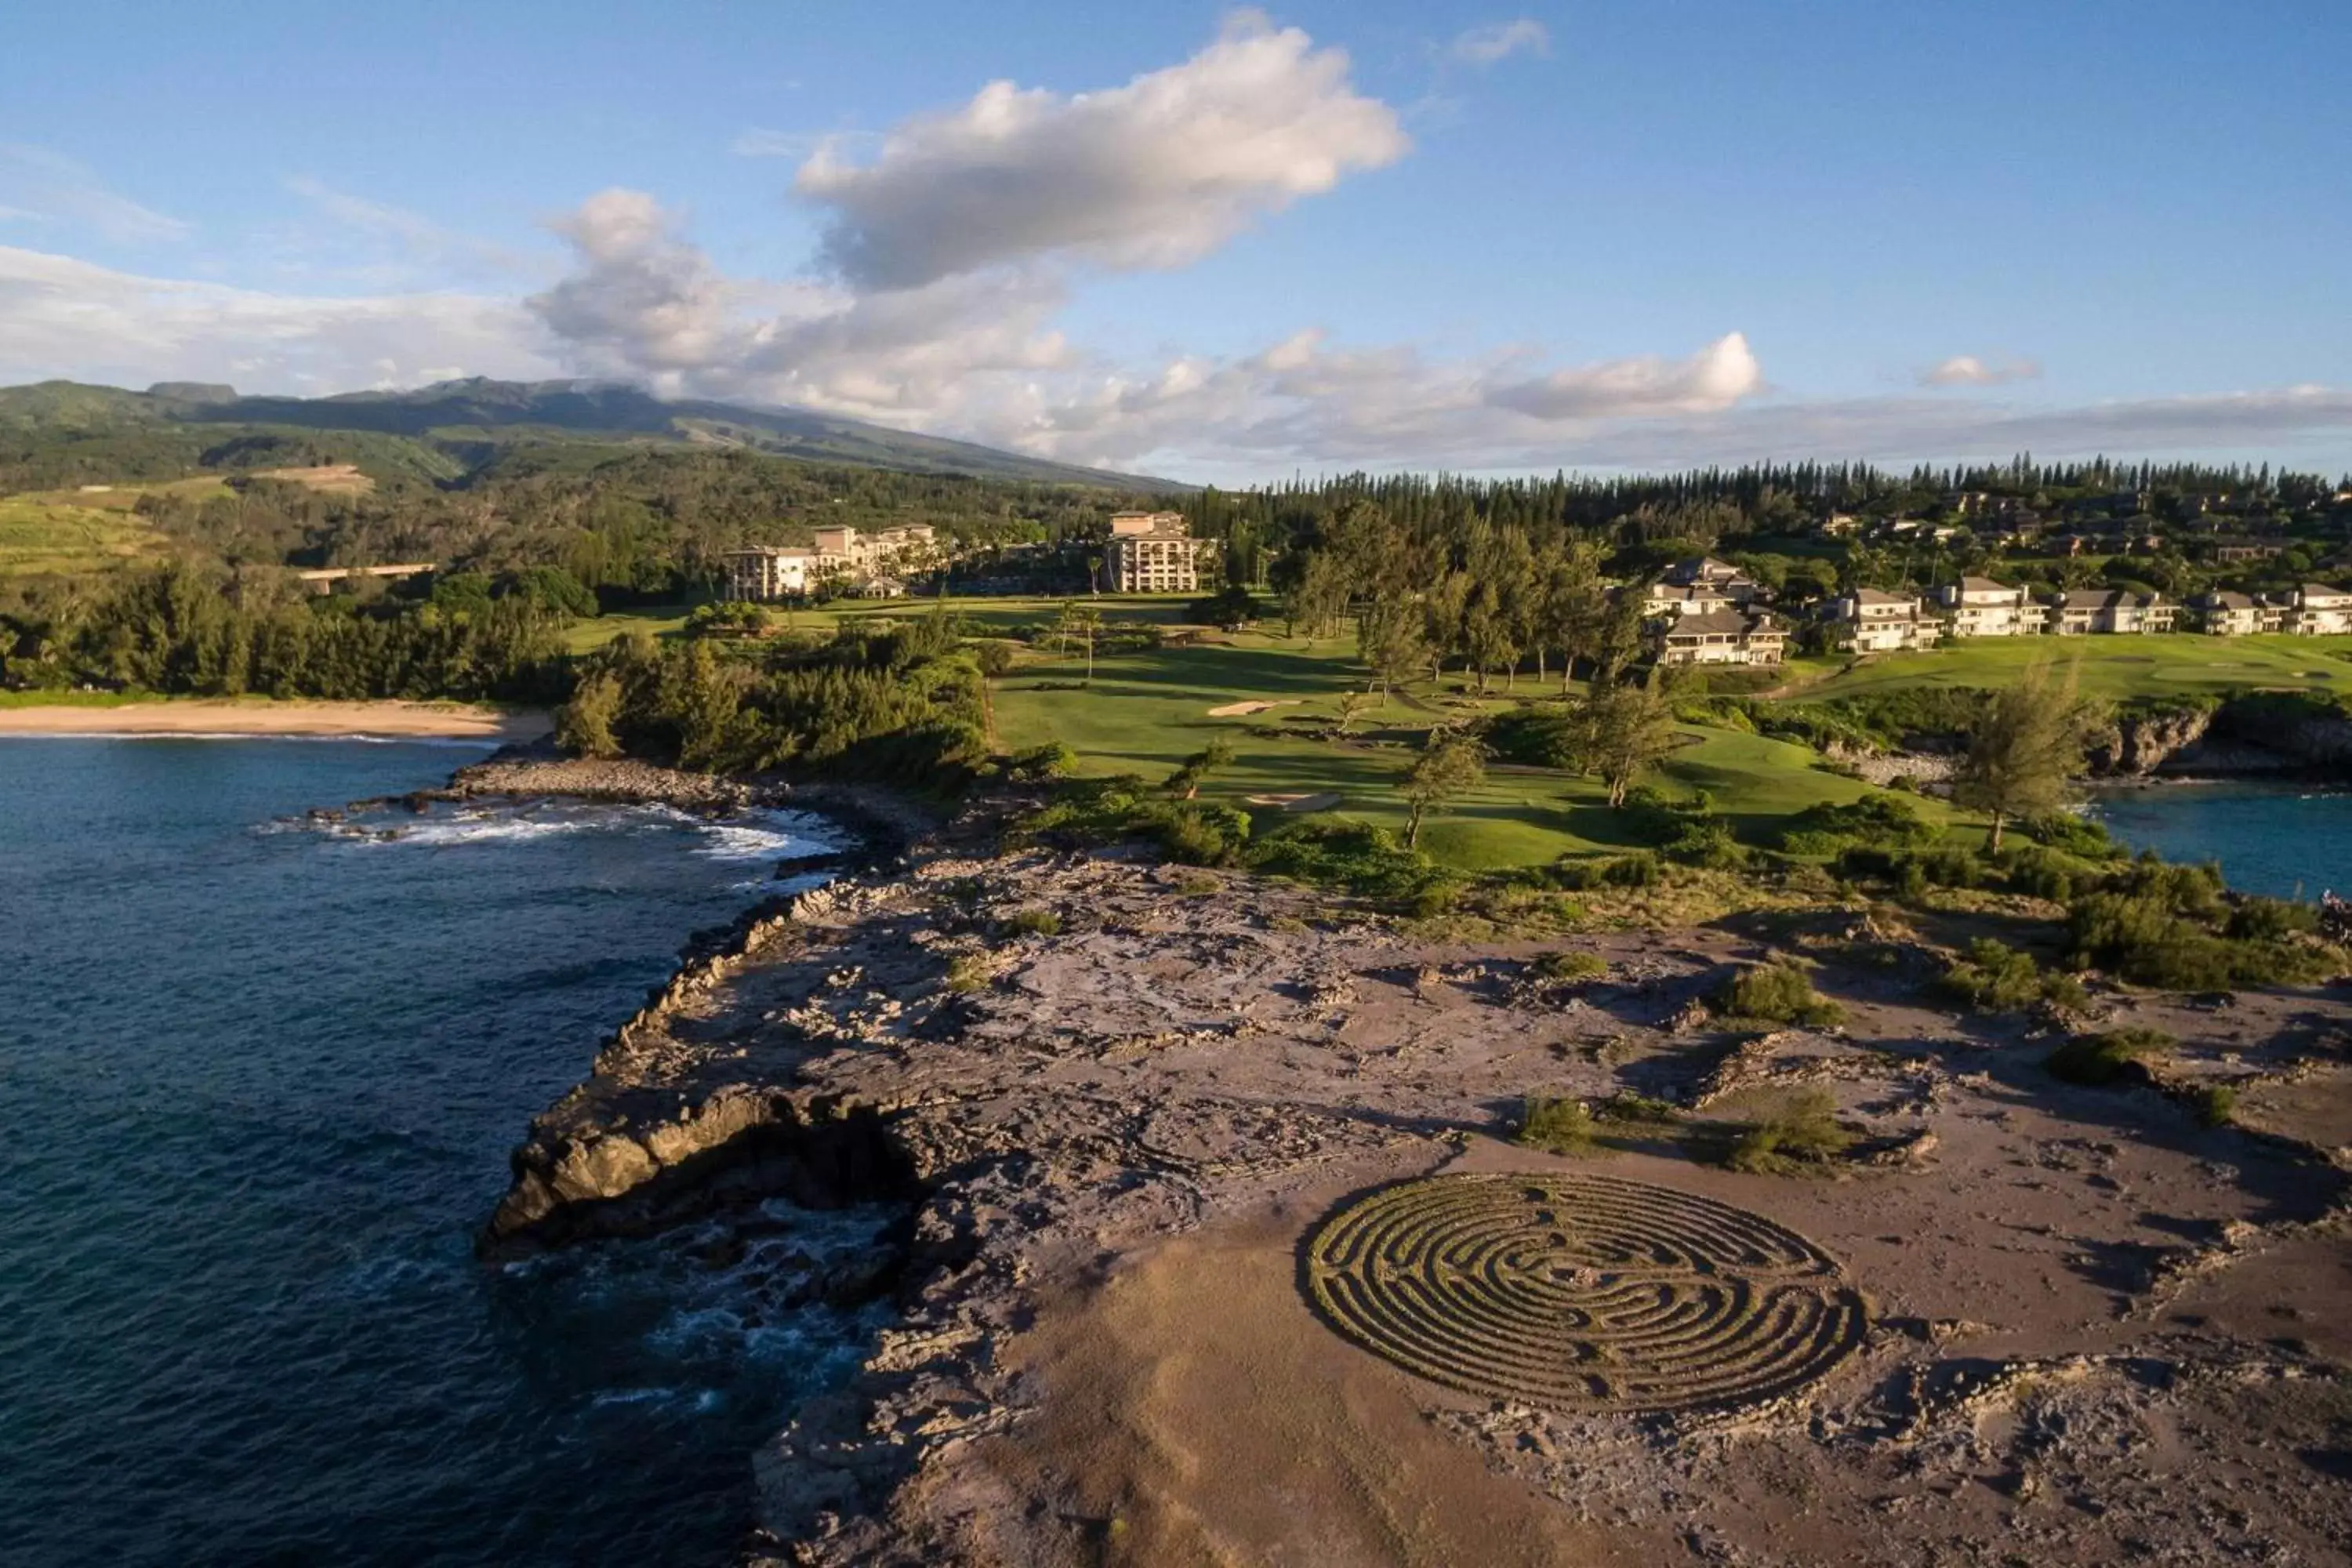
x: 2282, y: 840
x: 257, y: 1086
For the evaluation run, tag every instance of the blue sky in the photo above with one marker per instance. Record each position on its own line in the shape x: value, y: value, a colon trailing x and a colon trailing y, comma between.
x: 1316, y: 235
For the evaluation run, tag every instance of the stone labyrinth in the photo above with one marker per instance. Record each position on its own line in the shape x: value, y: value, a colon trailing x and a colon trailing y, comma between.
x: 1581, y: 1293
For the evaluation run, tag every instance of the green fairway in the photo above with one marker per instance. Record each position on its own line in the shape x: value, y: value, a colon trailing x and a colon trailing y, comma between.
x: 1146, y: 712
x: 2179, y: 664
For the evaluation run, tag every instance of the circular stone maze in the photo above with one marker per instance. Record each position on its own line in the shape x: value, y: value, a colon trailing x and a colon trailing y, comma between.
x: 1581, y: 1293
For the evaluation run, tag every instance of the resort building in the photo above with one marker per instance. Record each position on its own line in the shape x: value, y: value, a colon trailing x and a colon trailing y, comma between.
x: 2092, y: 610
x: 1871, y: 621
x: 1720, y: 576
x: 1151, y: 553
x: 2238, y: 614
x: 1980, y: 607
x: 844, y: 556
x: 2318, y: 610
x: 852, y: 554
x: 763, y: 573
x: 1671, y: 599
x: 1721, y: 636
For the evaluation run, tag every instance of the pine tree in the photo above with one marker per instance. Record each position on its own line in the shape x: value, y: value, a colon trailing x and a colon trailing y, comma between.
x: 2024, y: 749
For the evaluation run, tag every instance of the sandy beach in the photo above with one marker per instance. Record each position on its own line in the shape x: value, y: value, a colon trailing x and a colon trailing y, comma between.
x: 203, y: 717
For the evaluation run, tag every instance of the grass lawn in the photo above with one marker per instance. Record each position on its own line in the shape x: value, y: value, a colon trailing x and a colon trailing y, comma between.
x: 39, y: 535
x: 1145, y: 713
x: 2109, y: 667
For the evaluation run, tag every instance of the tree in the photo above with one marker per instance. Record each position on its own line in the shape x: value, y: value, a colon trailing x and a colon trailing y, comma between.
x: 1083, y: 621
x: 2024, y: 748
x: 1351, y: 707
x: 1390, y: 641
x: 585, y: 726
x: 1450, y: 764
x: 1630, y: 729
x: 1185, y: 782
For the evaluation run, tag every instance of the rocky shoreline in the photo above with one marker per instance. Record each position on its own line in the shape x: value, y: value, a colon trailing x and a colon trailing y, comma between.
x: 1067, y: 1072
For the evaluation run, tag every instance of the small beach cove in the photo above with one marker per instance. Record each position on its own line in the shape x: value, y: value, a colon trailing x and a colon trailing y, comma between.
x: 196, y: 717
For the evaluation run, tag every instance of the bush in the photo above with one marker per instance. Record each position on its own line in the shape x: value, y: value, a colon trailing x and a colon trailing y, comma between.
x: 1876, y: 819
x: 1356, y: 855
x: 1035, y: 922
x: 2084, y: 837
x: 1802, y: 1132
x: 968, y: 973
x: 1994, y: 977
x: 2142, y: 937
x: 2255, y: 919
x: 1560, y: 1126
x: 1569, y: 967
x: 1631, y: 1110
x: 1777, y: 992
x: 994, y: 658
x: 2214, y: 1104
x: 2099, y: 1059
x: 1199, y: 834
x: 1053, y: 760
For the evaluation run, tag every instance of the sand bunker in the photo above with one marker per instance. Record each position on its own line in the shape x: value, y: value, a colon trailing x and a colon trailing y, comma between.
x: 1323, y: 801
x: 1244, y: 709
x: 1573, y: 1293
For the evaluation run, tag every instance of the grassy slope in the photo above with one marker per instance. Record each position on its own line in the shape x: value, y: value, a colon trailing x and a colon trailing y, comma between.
x: 37, y: 535
x: 2109, y: 667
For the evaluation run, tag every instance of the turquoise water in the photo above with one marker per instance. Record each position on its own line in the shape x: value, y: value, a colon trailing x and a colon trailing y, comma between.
x: 257, y: 1086
x: 2282, y: 841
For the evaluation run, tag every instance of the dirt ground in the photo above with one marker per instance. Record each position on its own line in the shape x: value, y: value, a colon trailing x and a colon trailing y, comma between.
x: 2099, y: 1331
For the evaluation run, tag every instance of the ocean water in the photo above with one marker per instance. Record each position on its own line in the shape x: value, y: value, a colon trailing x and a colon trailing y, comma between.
x: 2282, y: 840
x: 257, y: 1085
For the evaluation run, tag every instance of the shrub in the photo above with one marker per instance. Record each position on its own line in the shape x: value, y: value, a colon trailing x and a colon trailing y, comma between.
x: 1875, y: 819
x: 1539, y: 737
x: 2042, y: 873
x: 2269, y: 920
x: 1035, y: 922
x: 1639, y: 869
x: 1053, y: 760
x: 1560, y: 1126
x: 1631, y: 1110
x: 1802, y: 1132
x: 2099, y: 1059
x: 2140, y: 937
x: 2214, y: 1104
x: 1200, y: 834
x: 1569, y: 967
x: 994, y: 658
x: 2082, y: 837
x: 1994, y: 977
x: 1362, y: 859
x: 967, y: 973
x: 1777, y: 992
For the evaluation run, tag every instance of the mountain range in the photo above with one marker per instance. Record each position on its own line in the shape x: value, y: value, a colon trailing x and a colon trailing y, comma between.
x: 471, y: 413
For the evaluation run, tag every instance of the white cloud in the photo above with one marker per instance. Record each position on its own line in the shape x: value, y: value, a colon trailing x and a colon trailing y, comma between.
x: 67, y: 317
x: 1152, y: 175
x: 36, y: 182
x: 1968, y: 370
x: 1715, y: 379
x: 1499, y: 40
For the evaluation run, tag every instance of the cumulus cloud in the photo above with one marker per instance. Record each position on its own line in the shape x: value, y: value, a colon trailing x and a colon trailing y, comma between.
x: 1152, y: 175
x: 1715, y: 379
x: 37, y: 183
x: 1499, y: 40
x: 69, y: 317
x: 1968, y: 370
